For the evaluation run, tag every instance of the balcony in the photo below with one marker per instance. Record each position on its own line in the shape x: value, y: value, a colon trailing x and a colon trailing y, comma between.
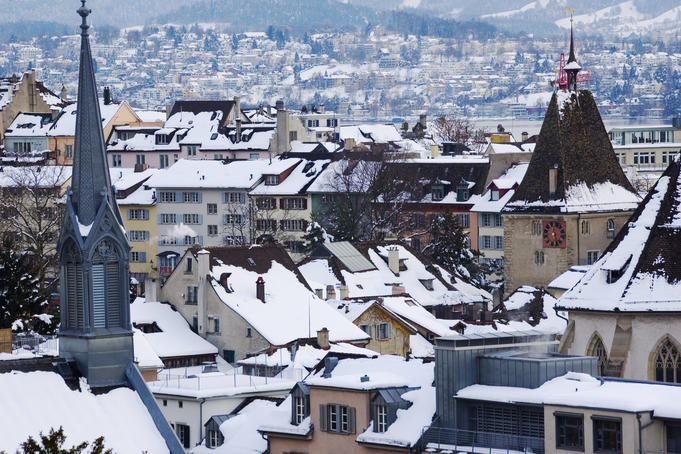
x: 442, y: 439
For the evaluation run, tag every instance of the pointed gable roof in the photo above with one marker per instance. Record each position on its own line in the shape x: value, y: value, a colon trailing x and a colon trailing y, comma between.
x: 574, y: 141
x: 641, y: 269
x: 91, y: 182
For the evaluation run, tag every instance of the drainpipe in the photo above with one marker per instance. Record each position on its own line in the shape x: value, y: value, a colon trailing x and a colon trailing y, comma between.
x: 579, y: 232
x: 201, y: 420
x: 641, y: 428
x: 560, y: 316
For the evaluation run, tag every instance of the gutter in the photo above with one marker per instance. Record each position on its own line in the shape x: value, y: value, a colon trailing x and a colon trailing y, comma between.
x: 203, y: 401
x: 555, y: 309
x: 641, y: 428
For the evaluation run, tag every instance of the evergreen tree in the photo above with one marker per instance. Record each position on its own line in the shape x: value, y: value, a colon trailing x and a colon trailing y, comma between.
x: 314, y: 236
x: 450, y: 248
x: 53, y: 443
x: 23, y: 304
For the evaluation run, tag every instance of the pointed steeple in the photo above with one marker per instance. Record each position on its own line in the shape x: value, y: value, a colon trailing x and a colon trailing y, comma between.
x: 572, y: 67
x: 91, y: 183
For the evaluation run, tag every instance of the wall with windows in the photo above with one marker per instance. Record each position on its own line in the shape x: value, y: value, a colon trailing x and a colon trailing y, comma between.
x: 285, y: 217
x: 388, y: 337
x: 142, y: 238
x: 236, y: 338
x: 647, y: 335
x: 600, y: 431
x: 155, y: 159
x: 527, y: 262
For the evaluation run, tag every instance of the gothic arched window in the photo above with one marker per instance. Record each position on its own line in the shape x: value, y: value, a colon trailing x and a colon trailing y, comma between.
x: 668, y: 362
x: 597, y: 349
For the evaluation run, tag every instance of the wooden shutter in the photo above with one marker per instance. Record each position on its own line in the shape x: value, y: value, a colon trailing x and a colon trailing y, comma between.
x: 351, y: 420
x: 200, y: 219
x: 305, y: 224
x: 242, y: 197
x: 113, y: 298
x: 178, y: 197
x: 128, y: 213
x: 323, y: 417
x: 281, y: 203
x: 305, y: 204
x: 99, y: 297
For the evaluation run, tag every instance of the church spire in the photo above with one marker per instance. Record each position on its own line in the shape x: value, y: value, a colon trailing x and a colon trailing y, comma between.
x: 572, y: 45
x: 572, y: 67
x: 91, y: 184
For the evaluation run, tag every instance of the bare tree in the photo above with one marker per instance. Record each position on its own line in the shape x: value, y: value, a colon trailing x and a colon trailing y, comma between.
x: 31, y: 212
x: 452, y: 129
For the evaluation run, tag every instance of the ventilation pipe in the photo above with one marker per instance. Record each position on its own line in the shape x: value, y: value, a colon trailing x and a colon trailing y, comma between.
x: 260, y: 289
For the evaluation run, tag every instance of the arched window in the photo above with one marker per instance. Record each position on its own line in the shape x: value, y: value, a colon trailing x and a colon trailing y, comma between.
x: 597, y: 349
x: 106, y: 286
x: 539, y: 258
x: 610, y: 228
x: 668, y: 362
x: 536, y: 228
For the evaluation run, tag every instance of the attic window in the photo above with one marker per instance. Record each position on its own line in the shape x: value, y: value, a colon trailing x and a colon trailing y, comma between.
x: 214, y: 136
x: 148, y: 327
x: 251, y: 261
x: 308, y: 166
x: 614, y: 275
x: 427, y: 283
x: 162, y: 139
x: 494, y: 194
x: 271, y: 180
x: 359, y: 286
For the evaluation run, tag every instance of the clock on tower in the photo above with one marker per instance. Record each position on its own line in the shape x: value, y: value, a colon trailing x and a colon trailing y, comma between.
x: 553, y: 234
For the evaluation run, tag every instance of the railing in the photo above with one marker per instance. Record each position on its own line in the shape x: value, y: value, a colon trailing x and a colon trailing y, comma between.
x: 455, y: 440
x: 232, y: 379
x: 37, y: 344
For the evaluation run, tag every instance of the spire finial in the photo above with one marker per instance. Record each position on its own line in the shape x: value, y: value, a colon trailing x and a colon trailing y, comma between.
x: 572, y: 41
x: 84, y: 13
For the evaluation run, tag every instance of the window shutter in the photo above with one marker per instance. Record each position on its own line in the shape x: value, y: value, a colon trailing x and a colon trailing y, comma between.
x: 351, y: 420
x: 200, y: 240
x: 272, y: 203
x: 305, y: 204
x: 200, y: 194
x: 282, y: 226
x: 178, y: 197
x: 242, y: 197
x: 389, y: 331
x: 224, y: 197
x: 145, y: 215
x: 113, y: 294
x: 224, y: 219
x: 128, y: 213
x: 143, y: 256
x: 323, y: 418
x: 305, y: 223
x: 374, y: 417
x: 293, y: 409
x: 281, y: 203
x: 200, y: 219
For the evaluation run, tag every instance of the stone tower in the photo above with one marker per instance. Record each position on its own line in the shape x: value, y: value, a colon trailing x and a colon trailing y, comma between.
x: 93, y: 248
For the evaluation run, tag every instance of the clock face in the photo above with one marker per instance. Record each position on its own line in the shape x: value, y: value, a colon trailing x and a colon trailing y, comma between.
x: 553, y: 234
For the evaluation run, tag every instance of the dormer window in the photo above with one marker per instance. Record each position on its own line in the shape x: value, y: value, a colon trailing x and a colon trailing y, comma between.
x: 494, y: 194
x: 381, y: 418
x: 271, y: 180
x: 462, y: 193
x: 162, y: 139
x: 427, y: 283
x: 438, y: 192
x: 300, y: 403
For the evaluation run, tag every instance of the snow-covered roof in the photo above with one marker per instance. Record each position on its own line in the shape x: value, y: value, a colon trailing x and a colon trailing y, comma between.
x: 584, y: 391
x: 306, y: 356
x: 638, y: 271
x: 308, y: 147
x: 484, y: 203
x: 357, y: 177
x: 209, y: 174
x: 29, y: 125
x: 240, y: 431
x: 569, y: 278
x: 285, y: 316
x: 415, y: 275
x: 176, y: 338
x: 150, y: 116
x: 36, y: 402
x: 371, y: 133
x: 297, y: 181
x: 65, y: 124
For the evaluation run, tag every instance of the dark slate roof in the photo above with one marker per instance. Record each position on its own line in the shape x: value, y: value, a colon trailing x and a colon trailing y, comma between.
x: 198, y: 106
x: 218, y: 419
x: 427, y: 173
x: 574, y: 138
x: 641, y: 269
x: 255, y: 258
x: 394, y: 395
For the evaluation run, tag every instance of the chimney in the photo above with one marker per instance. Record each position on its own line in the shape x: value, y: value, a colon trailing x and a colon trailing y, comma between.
x: 269, y: 110
x: 398, y: 290
x: 394, y: 260
x: 553, y: 180
x: 320, y: 293
x: 260, y: 289
x: 238, y: 130
x: 344, y: 294
x: 349, y: 144
x: 282, y: 128
x: 524, y: 136
x: 237, y: 108
x: 107, y: 96
x: 330, y: 292
x: 63, y: 93
x: 322, y: 108
x: 203, y: 262
x: 422, y: 120
x: 323, y: 339
x: 169, y: 108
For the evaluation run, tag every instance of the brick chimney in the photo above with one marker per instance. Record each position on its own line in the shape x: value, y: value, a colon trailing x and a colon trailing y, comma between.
x: 330, y: 292
x: 524, y: 136
x: 63, y: 94
x: 344, y: 292
x: 320, y: 293
x: 282, y: 128
x: 238, y: 130
x: 323, y: 339
x: 394, y: 260
x: 260, y: 289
